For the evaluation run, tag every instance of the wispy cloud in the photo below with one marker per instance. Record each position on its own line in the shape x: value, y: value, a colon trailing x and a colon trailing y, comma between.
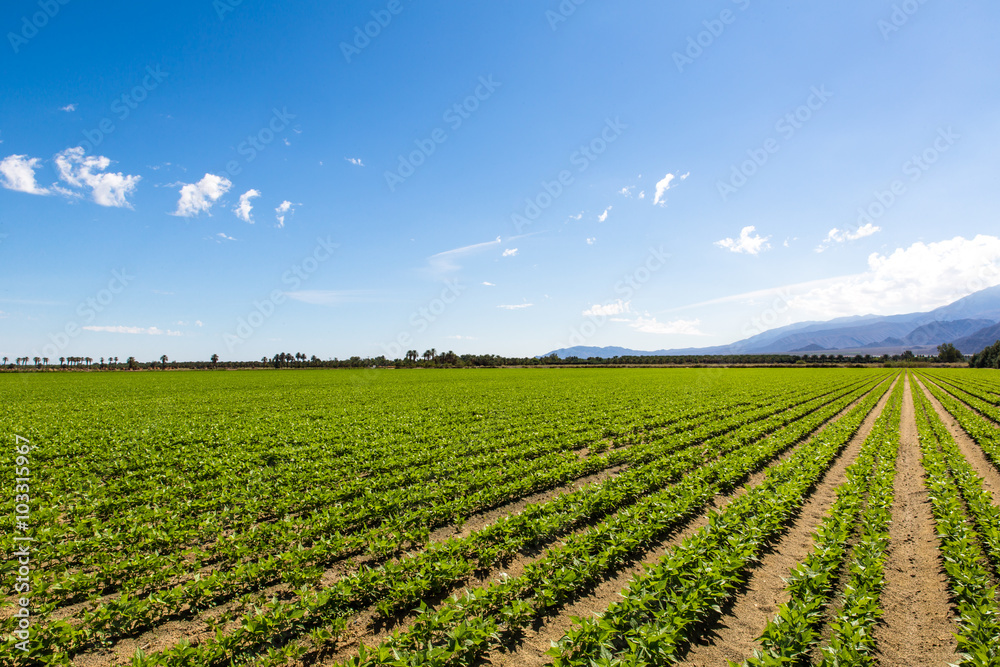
x: 605, y: 310
x: 88, y: 171
x: 145, y: 331
x: 68, y: 108
x: 284, y: 209
x: 510, y: 252
x: 17, y: 172
x: 748, y: 242
x: 591, y: 240
x: 356, y: 161
x: 517, y: 306
x: 651, y: 325
x: 604, y: 216
x: 489, y: 284
x: 199, y: 197
x: 844, y: 235
x: 447, y: 261
x: 244, y: 210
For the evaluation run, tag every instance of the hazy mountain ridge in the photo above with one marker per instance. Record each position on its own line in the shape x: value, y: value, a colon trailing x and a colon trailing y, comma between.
x: 970, y: 323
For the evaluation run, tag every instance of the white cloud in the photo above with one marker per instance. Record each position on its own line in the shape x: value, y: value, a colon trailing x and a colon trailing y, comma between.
x: 604, y: 216
x: 244, y: 210
x: 18, y: 173
x: 650, y: 325
x: 147, y: 331
x: 284, y: 208
x: 445, y: 261
x: 578, y: 216
x: 223, y: 236
x: 920, y: 277
x: 642, y: 195
x: 617, y: 308
x: 68, y: 108
x: 199, y: 323
x: 627, y: 190
x: 489, y: 284
x: 661, y: 188
x: 356, y: 161
x: 844, y: 235
x: 591, y: 240
x: 107, y: 188
x: 518, y: 306
x: 748, y: 242
x: 510, y: 252
x: 198, y: 197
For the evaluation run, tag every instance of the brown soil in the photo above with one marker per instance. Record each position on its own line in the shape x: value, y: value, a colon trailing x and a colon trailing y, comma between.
x: 531, y: 651
x: 970, y: 450
x: 917, y: 626
x: 735, y: 637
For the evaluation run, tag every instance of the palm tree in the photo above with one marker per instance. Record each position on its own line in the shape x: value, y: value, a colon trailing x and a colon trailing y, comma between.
x: 38, y: 361
x: 5, y: 361
x: 164, y: 360
x: 45, y: 360
x: 62, y: 361
x: 89, y: 360
x: 116, y: 361
x: 215, y: 360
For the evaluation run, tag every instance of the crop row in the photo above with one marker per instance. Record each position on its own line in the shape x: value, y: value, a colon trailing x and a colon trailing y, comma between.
x: 661, y: 608
x: 950, y: 484
x: 862, y: 510
x: 399, y: 584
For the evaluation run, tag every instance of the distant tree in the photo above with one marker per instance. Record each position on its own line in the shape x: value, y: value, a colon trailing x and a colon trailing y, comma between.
x: 987, y: 358
x: 948, y: 353
x: 907, y: 356
x: 5, y: 359
x: 215, y: 360
x: 132, y: 363
x: 45, y: 361
x: 38, y: 361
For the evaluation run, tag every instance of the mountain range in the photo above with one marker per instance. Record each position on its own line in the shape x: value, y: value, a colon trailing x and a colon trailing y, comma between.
x: 970, y: 324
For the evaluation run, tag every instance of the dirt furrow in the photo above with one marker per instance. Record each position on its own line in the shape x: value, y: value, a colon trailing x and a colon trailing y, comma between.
x: 917, y: 627
x: 970, y: 450
x: 537, y: 640
x: 735, y: 636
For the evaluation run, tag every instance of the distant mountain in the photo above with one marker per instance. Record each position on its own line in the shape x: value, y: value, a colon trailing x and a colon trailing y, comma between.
x: 978, y: 341
x: 964, y: 320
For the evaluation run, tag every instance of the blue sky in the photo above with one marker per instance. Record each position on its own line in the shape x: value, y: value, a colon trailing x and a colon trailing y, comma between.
x: 485, y: 177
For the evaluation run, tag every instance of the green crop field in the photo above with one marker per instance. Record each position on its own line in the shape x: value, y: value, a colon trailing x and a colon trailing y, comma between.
x: 505, y: 517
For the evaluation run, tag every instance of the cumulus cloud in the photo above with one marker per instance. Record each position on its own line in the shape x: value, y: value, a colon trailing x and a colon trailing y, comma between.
x: 651, y: 325
x: 147, y: 331
x: 510, y: 252
x: 200, y: 196
x: 244, y: 209
x: 627, y: 190
x: 356, y: 161
x: 606, y: 310
x: 921, y: 277
x: 284, y: 208
x: 604, y: 216
x: 591, y: 240
x: 17, y: 172
x: 517, y: 306
x: 748, y: 242
x: 844, y: 235
x: 88, y: 171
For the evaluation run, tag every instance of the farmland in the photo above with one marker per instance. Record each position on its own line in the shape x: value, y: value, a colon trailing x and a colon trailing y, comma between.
x: 510, y: 517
